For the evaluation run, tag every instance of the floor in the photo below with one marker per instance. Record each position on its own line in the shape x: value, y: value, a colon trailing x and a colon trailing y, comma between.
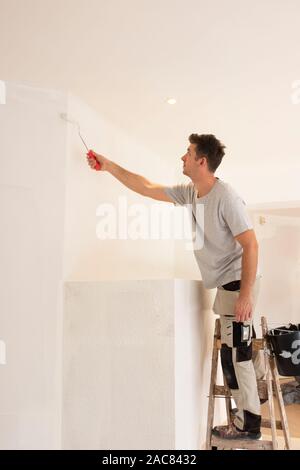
x: 293, y: 417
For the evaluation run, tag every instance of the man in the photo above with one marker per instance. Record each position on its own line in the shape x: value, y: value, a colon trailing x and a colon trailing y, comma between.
x: 227, y: 260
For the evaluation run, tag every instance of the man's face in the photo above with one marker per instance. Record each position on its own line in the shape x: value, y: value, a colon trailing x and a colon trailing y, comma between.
x: 190, y: 164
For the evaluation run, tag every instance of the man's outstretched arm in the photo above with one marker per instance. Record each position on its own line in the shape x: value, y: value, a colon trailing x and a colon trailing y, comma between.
x: 135, y: 182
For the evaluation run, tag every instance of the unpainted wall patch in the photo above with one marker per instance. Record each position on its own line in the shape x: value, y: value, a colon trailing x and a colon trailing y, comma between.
x: 2, y: 92
x: 2, y: 353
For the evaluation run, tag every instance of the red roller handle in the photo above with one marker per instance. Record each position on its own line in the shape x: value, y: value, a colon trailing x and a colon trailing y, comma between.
x: 92, y: 156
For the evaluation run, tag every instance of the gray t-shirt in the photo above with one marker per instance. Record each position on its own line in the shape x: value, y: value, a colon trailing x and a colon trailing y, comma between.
x: 225, y: 216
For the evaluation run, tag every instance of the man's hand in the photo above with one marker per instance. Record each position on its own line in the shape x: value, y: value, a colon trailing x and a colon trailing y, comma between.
x: 92, y: 156
x: 243, y: 308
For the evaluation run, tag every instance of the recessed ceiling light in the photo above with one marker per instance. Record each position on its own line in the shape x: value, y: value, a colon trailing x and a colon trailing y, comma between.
x: 171, y: 100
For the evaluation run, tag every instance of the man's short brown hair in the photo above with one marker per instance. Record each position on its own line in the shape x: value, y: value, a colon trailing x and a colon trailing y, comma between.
x: 209, y: 146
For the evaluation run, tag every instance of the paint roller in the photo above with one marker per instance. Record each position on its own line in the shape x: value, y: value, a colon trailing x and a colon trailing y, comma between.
x: 90, y: 153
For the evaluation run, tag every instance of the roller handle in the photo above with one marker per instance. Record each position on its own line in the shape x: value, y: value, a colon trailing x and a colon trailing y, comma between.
x: 91, y: 155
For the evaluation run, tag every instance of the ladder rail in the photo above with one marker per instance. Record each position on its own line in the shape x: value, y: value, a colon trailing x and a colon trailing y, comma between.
x: 267, y: 388
x: 211, y: 399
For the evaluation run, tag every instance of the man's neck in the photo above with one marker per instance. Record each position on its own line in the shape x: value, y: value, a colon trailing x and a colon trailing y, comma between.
x: 203, y: 187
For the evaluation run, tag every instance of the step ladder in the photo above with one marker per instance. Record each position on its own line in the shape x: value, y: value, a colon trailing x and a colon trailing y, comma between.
x: 266, y: 389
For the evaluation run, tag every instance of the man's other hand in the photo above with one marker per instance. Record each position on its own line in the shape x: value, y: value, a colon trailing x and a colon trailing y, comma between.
x: 243, y: 308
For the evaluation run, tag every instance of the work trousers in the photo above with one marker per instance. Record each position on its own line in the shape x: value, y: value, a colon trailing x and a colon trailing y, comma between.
x: 241, y: 367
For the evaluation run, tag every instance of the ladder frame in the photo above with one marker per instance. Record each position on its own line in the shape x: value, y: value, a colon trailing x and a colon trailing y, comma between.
x: 266, y: 389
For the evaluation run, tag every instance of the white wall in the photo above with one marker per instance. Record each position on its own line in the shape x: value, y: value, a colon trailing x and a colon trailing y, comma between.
x: 279, y: 241
x: 32, y: 190
x: 137, y: 358
x: 119, y: 365
x: 86, y: 256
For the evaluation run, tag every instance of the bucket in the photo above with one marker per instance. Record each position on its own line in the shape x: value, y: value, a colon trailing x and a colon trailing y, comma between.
x: 285, y: 344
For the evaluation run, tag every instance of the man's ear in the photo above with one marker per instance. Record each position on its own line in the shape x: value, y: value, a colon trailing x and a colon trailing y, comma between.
x: 202, y: 160
x: 199, y: 159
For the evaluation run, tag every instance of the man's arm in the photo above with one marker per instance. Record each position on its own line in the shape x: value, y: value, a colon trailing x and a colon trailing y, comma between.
x: 135, y: 182
x: 247, y: 240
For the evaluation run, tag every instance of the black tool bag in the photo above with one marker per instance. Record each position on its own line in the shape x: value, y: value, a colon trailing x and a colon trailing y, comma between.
x: 284, y: 342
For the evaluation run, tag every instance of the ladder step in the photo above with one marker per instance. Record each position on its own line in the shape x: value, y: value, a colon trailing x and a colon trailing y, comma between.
x: 241, y: 444
x: 261, y: 386
x: 266, y: 423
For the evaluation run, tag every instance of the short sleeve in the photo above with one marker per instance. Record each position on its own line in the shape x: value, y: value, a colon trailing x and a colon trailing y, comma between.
x: 180, y: 193
x: 235, y: 215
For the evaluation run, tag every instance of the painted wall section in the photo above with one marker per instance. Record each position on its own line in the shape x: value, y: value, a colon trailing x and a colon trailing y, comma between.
x: 136, y: 364
x: 279, y: 241
x: 86, y: 256
x: 32, y: 191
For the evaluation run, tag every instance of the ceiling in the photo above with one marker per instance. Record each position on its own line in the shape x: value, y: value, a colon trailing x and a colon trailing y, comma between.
x: 221, y: 60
